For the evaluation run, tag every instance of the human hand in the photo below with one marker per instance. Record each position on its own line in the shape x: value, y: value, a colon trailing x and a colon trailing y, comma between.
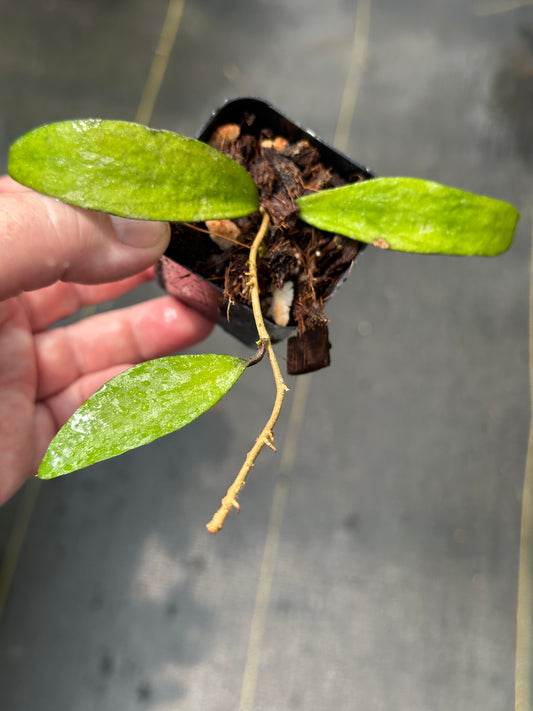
x: 54, y: 259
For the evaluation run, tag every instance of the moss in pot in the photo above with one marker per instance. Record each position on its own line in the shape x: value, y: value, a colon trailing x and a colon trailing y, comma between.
x: 133, y: 171
x: 302, y: 265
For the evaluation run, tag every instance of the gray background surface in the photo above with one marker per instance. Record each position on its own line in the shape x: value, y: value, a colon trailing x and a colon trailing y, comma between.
x: 389, y: 579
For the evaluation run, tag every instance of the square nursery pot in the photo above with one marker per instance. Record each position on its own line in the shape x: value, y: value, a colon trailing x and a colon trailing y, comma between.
x: 180, y: 269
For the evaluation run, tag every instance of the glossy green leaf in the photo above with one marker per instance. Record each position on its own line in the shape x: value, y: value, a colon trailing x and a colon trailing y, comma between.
x: 130, y: 170
x: 413, y: 215
x: 134, y: 408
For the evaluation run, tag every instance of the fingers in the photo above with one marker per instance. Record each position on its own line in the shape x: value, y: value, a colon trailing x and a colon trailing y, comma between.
x: 48, y: 305
x: 17, y: 398
x: 43, y: 241
x: 148, y: 330
x: 8, y: 185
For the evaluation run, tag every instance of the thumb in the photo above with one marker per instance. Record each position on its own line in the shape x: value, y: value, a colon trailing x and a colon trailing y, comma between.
x: 43, y: 240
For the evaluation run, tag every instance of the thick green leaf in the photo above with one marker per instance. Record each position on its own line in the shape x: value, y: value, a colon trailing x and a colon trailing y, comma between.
x: 134, y: 408
x: 130, y: 170
x: 413, y: 215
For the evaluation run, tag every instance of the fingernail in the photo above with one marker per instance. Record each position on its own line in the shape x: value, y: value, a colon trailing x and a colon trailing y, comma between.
x: 140, y: 233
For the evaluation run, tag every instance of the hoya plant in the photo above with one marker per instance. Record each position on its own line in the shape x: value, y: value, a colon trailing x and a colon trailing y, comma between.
x: 133, y: 171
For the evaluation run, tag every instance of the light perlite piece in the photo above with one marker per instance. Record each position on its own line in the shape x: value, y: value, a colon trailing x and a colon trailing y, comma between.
x: 280, y: 308
x: 279, y: 143
x: 224, y: 135
x: 224, y: 233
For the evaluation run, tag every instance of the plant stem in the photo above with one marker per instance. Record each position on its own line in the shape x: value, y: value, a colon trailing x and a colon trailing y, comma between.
x: 267, y: 435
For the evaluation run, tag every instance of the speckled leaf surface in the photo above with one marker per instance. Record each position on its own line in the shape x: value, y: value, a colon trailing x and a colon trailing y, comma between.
x: 130, y: 170
x: 413, y: 215
x: 138, y: 406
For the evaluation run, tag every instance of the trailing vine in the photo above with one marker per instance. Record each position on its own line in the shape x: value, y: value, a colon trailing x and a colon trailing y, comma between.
x: 266, y: 438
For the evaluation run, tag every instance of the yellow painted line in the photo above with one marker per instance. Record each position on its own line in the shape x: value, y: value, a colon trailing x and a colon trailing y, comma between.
x: 300, y: 399
x: 144, y: 113
x: 160, y: 61
x: 299, y: 405
x: 262, y: 597
x: 152, y: 85
x: 270, y: 551
x: 525, y: 561
x: 355, y: 73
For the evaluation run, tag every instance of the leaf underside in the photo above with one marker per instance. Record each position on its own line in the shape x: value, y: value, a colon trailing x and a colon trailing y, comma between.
x: 130, y: 170
x: 138, y: 406
x: 413, y: 215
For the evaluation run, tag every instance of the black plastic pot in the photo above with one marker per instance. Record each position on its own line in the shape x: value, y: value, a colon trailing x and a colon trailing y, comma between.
x: 254, y: 115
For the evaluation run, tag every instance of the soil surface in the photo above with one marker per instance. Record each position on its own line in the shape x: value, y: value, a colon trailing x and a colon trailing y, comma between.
x: 299, y: 265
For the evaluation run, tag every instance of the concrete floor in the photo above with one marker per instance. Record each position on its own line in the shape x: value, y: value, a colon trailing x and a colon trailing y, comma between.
x: 374, y: 563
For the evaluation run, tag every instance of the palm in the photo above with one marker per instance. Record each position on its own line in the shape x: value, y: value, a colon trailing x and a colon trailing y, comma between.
x: 46, y: 373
